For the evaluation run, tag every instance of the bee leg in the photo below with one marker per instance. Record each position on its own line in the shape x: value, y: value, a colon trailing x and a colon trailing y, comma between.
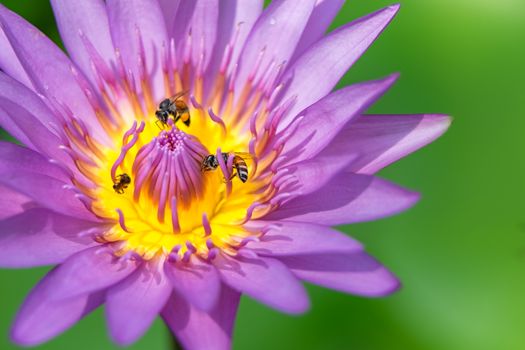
x: 176, y: 117
x: 231, y: 177
x: 185, y: 117
x: 158, y: 126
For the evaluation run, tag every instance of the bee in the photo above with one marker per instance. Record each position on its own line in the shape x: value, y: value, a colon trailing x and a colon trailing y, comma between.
x: 175, y: 107
x: 122, y: 182
x: 210, y: 162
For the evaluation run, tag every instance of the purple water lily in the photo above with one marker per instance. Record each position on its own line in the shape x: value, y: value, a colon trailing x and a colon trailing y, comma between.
x: 232, y: 192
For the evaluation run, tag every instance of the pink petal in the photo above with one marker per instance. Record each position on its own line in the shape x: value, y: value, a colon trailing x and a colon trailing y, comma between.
x: 89, y: 271
x: 348, y: 198
x: 236, y: 15
x: 200, y: 18
x: 49, y: 69
x: 380, y: 140
x: 19, y: 159
x: 196, y: 281
x: 310, y: 175
x: 315, y: 73
x: 266, y: 280
x: 133, y: 304
x: 26, y: 117
x: 295, y: 238
x: 46, y: 191
x: 169, y: 11
x: 41, y: 319
x: 132, y: 22
x: 197, y: 329
x: 322, y: 16
x: 354, y: 273
x: 39, y: 237
x: 274, y: 36
x: 10, y: 64
x: 13, y: 203
x: 90, y: 19
x: 323, y: 120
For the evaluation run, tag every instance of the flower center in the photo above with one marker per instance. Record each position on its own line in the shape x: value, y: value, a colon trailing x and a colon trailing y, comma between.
x: 155, y: 191
x: 169, y: 205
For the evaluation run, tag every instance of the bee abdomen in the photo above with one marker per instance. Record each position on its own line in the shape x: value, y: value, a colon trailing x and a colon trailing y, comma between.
x: 242, y: 170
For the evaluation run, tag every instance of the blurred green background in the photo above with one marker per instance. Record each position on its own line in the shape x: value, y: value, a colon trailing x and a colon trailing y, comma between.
x: 460, y: 252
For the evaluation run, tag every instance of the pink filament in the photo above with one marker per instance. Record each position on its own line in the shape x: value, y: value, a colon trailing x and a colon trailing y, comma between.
x: 206, y: 224
x: 174, y: 216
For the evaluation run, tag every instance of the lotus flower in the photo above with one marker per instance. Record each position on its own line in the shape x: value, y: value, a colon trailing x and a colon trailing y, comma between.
x: 119, y: 200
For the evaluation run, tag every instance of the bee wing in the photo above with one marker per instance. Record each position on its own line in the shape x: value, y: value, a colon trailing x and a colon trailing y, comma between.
x: 245, y: 155
x: 178, y: 95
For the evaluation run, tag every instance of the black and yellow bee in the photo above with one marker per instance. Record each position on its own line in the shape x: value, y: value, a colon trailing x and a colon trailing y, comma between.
x: 121, y: 183
x: 175, y: 107
x: 210, y: 162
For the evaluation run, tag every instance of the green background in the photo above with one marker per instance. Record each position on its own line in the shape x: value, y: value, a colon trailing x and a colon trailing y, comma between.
x: 460, y: 252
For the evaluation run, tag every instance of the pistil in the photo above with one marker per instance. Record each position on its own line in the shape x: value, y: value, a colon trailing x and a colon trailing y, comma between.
x: 169, y: 167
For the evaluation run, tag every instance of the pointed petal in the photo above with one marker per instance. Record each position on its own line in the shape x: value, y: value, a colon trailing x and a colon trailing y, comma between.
x: 89, y: 271
x: 312, y: 174
x: 39, y: 237
x: 201, y: 26
x: 274, y: 36
x: 293, y: 238
x: 49, y: 69
x: 266, y: 280
x: 10, y: 64
x: 133, y: 304
x: 197, y: 329
x: 87, y: 18
x: 315, y: 73
x: 169, y: 10
x: 324, y: 119
x: 16, y: 92
x: 354, y: 273
x: 17, y: 158
x: 26, y: 117
x: 41, y: 319
x: 196, y: 281
x: 132, y: 22
x: 13, y: 203
x: 47, y: 192
x: 380, y: 140
x: 236, y: 19
x: 348, y: 198
x: 322, y: 16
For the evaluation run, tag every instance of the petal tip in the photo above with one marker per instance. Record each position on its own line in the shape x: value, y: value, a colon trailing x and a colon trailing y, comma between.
x: 393, y: 288
x: 394, y: 8
x: 439, y: 122
x: 21, y: 338
x: 298, y: 308
x: 443, y: 119
x: 393, y: 77
x: 406, y: 202
x: 413, y: 198
x: 120, y: 338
